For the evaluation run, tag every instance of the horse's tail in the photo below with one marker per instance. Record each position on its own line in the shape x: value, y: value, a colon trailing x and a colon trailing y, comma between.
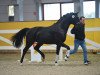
x: 17, y: 39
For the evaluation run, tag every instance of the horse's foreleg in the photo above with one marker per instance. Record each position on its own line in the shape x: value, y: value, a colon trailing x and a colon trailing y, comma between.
x: 67, y: 52
x: 66, y: 46
x: 57, y: 54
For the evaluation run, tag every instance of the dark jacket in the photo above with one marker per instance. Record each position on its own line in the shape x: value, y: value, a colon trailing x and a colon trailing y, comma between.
x: 79, y: 31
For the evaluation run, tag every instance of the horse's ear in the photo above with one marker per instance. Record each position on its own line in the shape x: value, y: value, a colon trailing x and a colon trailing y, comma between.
x: 77, y: 13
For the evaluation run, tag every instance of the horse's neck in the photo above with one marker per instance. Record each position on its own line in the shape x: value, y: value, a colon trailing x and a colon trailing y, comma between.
x: 62, y: 26
x: 65, y: 26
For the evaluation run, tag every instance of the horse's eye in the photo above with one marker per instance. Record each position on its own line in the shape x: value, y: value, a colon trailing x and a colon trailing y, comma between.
x: 73, y: 16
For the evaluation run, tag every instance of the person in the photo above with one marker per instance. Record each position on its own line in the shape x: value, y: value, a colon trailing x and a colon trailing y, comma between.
x: 79, y: 32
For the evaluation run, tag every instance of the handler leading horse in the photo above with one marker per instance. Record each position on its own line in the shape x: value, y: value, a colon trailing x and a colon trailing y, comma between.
x: 55, y: 34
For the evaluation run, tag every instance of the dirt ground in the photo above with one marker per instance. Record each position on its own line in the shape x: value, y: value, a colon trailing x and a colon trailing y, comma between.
x: 9, y: 65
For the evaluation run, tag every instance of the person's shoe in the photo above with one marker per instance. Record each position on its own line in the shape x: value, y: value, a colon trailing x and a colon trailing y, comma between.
x: 87, y: 62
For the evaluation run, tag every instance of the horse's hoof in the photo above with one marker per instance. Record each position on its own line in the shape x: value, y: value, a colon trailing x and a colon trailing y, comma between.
x: 18, y: 60
x: 21, y: 64
x: 43, y: 62
x: 66, y: 58
x: 56, y: 64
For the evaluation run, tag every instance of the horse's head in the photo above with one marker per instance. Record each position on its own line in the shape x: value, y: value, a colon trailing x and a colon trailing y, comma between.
x: 72, y: 18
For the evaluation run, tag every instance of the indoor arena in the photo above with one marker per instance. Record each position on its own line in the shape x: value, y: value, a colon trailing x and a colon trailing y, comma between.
x: 49, y: 37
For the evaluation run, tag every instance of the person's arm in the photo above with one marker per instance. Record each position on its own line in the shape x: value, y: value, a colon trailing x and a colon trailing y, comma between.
x: 75, y: 29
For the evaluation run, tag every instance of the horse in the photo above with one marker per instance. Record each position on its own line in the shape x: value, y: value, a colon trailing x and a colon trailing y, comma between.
x: 54, y: 34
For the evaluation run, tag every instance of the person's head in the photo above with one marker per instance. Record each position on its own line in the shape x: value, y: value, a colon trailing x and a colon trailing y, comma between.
x: 82, y: 19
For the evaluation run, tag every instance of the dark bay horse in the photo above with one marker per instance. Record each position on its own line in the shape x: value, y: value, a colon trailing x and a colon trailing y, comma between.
x: 54, y: 34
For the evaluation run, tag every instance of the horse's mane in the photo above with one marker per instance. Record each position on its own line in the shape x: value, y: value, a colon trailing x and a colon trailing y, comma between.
x: 64, y: 17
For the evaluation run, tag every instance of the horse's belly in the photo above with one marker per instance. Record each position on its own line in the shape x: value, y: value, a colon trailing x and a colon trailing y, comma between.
x: 49, y: 40
x: 46, y: 40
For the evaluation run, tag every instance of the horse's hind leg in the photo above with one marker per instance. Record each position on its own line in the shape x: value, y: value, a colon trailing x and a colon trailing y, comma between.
x: 24, y: 52
x: 29, y: 43
x: 37, y: 49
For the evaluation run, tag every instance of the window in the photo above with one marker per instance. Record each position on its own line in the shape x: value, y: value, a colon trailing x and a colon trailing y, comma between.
x: 11, y: 13
x: 67, y: 8
x: 51, y: 11
x: 89, y: 9
x: 11, y: 10
x: 55, y: 11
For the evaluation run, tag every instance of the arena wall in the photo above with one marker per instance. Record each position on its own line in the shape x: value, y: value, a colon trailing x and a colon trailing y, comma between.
x: 7, y: 29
